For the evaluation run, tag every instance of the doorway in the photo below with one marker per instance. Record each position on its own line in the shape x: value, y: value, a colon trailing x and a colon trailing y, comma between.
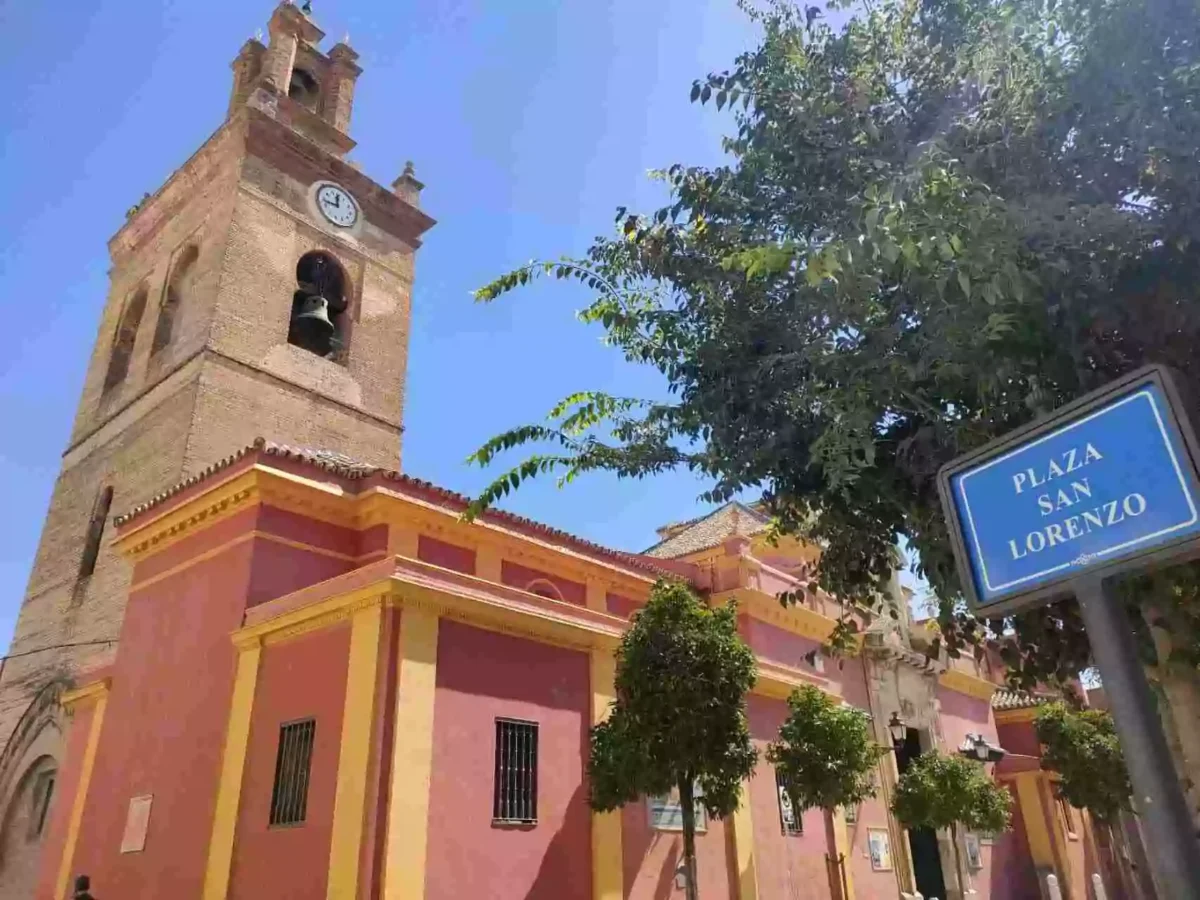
x: 922, y: 842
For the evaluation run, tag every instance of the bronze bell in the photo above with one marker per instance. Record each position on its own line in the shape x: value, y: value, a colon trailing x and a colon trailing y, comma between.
x: 313, y: 317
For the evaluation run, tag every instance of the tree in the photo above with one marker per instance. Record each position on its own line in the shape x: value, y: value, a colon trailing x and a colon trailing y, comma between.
x: 938, y: 221
x: 824, y: 755
x: 1082, y: 747
x: 679, y: 719
x: 950, y: 792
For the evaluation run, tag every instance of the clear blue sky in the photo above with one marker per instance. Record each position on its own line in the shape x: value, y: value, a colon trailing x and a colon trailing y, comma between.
x: 529, y: 121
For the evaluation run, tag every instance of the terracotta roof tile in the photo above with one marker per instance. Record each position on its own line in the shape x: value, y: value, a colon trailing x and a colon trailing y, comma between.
x: 710, y: 530
x: 350, y: 469
x: 1008, y: 699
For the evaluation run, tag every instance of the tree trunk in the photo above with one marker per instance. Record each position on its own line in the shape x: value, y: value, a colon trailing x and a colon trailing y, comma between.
x: 687, y: 806
x: 958, y: 868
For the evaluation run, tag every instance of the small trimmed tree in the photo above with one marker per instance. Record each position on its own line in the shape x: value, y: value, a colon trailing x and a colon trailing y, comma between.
x: 950, y: 792
x: 824, y: 754
x: 1082, y: 747
x: 679, y: 719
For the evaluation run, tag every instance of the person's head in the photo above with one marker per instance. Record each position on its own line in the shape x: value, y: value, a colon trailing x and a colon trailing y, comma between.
x: 82, y: 883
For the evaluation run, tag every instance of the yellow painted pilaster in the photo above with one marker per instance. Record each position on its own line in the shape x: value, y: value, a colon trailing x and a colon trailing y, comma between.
x: 597, y: 595
x: 1057, y: 835
x: 488, y: 563
x: 403, y: 541
x: 741, y: 826
x: 841, y: 846
x: 1033, y: 814
x: 354, y: 756
x: 100, y: 691
x: 608, y: 876
x: 412, y: 757
x: 233, y: 762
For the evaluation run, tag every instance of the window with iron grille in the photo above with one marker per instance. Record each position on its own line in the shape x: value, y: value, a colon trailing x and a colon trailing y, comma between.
x: 790, y: 819
x: 289, y: 797
x: 515, y: 798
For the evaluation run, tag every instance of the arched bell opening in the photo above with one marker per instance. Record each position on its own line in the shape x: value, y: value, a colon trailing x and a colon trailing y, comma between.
x: 319, y: 305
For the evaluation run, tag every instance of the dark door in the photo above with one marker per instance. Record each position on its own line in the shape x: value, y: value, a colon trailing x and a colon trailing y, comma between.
x: 922, y: 842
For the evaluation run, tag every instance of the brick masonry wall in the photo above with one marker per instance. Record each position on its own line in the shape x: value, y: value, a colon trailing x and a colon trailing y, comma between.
x: 228, y: 375
x: 137, y: 461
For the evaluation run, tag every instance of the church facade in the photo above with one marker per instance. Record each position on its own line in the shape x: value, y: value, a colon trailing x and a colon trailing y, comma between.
x: 285, y: 671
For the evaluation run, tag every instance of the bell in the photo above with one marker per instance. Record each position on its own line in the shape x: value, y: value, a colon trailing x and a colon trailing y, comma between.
x: 313, y: 317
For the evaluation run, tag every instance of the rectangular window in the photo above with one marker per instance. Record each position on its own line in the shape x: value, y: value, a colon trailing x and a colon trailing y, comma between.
x: 289, y: 796
x: 790, y: 821
x: 515, y: 791
x: 666, y: 813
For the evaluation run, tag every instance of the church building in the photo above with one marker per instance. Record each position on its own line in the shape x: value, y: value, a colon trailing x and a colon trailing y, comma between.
x: 288, y: 670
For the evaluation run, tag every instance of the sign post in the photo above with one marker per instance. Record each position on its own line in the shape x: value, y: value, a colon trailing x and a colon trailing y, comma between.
x: 1105, y: 485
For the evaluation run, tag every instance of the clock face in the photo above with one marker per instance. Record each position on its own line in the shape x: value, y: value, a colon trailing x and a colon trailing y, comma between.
x: 337, y: 205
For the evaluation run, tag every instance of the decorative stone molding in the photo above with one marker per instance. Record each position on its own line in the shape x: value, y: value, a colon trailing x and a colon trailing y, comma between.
x: 233, y: 495
x: 766, y: 608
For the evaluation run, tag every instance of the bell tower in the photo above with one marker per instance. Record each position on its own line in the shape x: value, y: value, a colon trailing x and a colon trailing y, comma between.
x: 263, y: 290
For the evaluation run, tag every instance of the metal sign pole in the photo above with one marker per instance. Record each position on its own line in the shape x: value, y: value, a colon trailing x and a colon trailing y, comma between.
x: 1175, y: 851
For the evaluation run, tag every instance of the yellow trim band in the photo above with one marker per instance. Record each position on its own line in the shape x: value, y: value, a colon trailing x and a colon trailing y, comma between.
x: 1033, y: 814
x: 354, y: 756
x: 971, y: 685
x: 608, y: 875
x: 742, y: 825
x: 233, y: 763
x: 68, y: 700
x: 412, y: 757
x: 841, y: 846
x: 1013, y: 716
x: 99, y: 690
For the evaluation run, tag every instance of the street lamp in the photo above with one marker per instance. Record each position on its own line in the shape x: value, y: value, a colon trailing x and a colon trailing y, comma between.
x: 977, y: 747
x: 899, y: 730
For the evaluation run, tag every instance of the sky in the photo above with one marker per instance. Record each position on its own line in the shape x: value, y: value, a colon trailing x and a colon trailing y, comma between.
x: 530, y: 122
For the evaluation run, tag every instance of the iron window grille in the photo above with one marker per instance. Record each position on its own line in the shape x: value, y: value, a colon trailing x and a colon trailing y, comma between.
x: 516, y: 783
x: 289, y: 796
x: 790, y: 819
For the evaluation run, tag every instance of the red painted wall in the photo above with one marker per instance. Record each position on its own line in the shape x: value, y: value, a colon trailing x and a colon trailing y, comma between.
x: 482, y: 675
x: 448, y: 556
x: 300, y: 679
x: 1019, y: 737
x: 621, y: 606
x: 518, y: 576
x: 280, y: 569
x: 164, y: 730
x: 962, y: 715
x: 778, y: 645
x: 66, y: 785
x: 791, y: 866
x: 1012, y: 873
x: 651, y: 857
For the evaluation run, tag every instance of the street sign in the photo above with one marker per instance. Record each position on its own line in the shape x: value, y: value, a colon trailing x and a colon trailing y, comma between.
x: 1105, y: 481
x: 1105, y: 484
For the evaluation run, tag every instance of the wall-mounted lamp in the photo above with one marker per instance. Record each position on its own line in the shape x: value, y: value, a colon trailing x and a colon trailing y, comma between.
x: 977, y: 747
x: 899, y: 730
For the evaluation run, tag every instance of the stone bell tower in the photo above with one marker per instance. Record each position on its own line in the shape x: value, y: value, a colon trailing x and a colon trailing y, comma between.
x: 263, y: 290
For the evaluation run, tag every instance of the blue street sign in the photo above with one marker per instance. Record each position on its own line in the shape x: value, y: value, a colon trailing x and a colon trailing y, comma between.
x: 1113, y: 482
